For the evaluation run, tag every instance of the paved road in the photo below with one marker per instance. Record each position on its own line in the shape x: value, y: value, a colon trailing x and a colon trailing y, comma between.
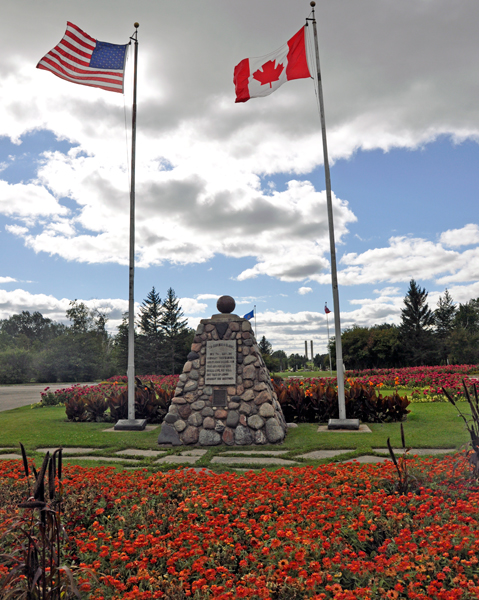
x: 13, y: 396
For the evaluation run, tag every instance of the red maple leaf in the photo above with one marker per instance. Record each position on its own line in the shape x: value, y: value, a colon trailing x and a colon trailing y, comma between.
x: 269, y: 73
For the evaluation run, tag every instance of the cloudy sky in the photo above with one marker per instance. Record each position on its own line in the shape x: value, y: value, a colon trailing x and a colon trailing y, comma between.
x: 230, y: 197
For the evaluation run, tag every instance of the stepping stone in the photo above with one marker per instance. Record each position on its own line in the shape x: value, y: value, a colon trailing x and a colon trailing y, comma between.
x: 362, y: 429
x: 10, y: 456
x: 367, y: 459
x: 260, y: 452
x: 175, y: 459
x: 69, y: 450
x: 134, y: 452
x: 147, y: 428
x: 263, y: 461
x: 100, y: 459
x: 196, y: 452
x: 319, y: 454
x: 418, y: 451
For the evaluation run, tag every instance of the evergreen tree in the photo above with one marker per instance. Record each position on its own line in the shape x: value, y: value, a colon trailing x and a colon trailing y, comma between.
x: 417, y: 321
x: 150, y: 341
x: 175, y: 333
x: 265, y: 347
x: 444, y: 324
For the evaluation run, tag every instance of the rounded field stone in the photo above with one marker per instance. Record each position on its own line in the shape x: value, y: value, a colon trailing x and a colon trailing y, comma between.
x: 260, y: 438
x: 195, y: 419
x: 171, y: 418
x: 255, y: 422
x: 243, y: 436
x: 209, y: 437
x: 207, y: 411
x: 220, y: 427
x: 193, y: 356
x: 232, y: 419
x: 198, y: 405
x: 228, y: 437
x: 274, y: 431
x: 266, y: 410
x: 190, y: 435
x: 221, y: 413
x: 184, y: 410
x: 226, y: 304
x: 179, y: 425
x: 209, y: 423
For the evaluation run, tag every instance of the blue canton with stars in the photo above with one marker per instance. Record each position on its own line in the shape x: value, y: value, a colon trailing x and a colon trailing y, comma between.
x: 108, y: 56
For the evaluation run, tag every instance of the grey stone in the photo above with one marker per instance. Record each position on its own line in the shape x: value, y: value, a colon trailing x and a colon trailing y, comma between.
x: 190, y: 435
x: 249, y: 360
x: 274, y: 431
x: 243, y: 436
x: 196, y: 363
x: 249, y: 372
x: 194, y: 375
x: 248, y: 396
x: 209, y: 423
x: 195, y: 419
x: 169, y: 435
x: 191, y: 386
x: 198, y: 405
x: 187, y: 367
x: 266, y: 410
x: 173, y: 410
x: 248, y: 383
x: 246, y: 326
x: 209, y: 437
x: 233, y: 405
x: 259, y: 387
x: 232, y: 419
x: 184, y: 411
x: 180, y: 425
x: 220, y: 426
x: 183, y: 377
x: 248, y: 342
x: 262, y: 397
x: 208, y: 390
x: 207, y: 411
x: 260, y: 438
x: 245, y: 409
x: 255, y: 422
x: 171, y: 418
x: 193, y: 355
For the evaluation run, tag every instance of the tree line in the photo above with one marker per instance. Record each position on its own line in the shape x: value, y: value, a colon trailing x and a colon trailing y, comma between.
x: 449, y: 334
x: 34, y: 348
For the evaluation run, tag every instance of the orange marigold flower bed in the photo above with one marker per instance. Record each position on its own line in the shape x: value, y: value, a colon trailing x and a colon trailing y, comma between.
x: 332, y: 532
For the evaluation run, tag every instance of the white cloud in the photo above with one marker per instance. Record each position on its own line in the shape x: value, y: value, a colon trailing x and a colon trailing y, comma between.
x: 304, y: 290
x: 465, y: 236
x: 7, y: 280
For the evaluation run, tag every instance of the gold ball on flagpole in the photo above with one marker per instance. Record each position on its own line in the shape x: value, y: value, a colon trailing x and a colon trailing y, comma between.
x: 136, y: 25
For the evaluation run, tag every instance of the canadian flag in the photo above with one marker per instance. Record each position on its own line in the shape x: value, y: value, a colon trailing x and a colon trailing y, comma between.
x: 256, y: 77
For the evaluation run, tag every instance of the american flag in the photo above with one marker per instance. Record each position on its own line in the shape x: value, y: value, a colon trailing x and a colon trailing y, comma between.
x: 81, y: 59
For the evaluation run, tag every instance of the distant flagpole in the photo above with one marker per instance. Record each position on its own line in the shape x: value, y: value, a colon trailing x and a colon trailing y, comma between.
x: 334, y: 276
x: 131, y: 423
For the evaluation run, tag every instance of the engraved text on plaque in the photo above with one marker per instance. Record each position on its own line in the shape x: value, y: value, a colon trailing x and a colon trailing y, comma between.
x: 220, y: 362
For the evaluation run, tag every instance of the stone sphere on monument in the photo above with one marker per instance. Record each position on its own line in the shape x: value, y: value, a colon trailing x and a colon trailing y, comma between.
x: 226, y: 304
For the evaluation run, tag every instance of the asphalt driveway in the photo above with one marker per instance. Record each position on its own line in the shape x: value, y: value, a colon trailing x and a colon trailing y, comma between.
x: 13, y: 396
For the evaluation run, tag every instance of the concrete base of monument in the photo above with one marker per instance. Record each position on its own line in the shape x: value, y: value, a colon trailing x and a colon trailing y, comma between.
x: 352, y: 424
x: 130, y: 425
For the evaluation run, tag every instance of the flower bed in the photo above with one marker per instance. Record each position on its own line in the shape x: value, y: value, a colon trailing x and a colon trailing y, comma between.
x: 332, y: 532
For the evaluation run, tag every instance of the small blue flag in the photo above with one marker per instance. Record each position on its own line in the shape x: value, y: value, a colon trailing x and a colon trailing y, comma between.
x: 249, y: 315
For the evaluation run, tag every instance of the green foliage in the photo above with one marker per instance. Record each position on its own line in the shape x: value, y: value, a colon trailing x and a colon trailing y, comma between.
x: 472, y: 424
x: 33, y: 570
x: 318, y: 402
x: 417, y: 321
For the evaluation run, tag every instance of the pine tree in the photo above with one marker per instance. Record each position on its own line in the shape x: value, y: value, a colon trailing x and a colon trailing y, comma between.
x: 444, y: 324
x: 175, y: 334
x: 151, y: 339
x: 417, y: 321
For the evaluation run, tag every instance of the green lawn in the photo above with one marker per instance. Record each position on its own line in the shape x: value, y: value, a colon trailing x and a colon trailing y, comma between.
x: 429, y: 425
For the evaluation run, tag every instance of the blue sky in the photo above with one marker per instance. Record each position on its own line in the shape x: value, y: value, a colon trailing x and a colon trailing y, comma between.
x: 230, y: 198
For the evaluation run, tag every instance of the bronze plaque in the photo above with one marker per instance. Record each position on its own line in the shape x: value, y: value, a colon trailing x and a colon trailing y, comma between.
x: 219, y: 398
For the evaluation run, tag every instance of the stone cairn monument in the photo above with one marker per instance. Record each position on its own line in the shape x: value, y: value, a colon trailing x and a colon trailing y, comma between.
x: 225, y: 394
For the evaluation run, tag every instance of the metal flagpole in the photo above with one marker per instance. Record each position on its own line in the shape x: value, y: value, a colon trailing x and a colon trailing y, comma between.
x: 342, y: 422
x: 329, y: 349
x: 131, y: 423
